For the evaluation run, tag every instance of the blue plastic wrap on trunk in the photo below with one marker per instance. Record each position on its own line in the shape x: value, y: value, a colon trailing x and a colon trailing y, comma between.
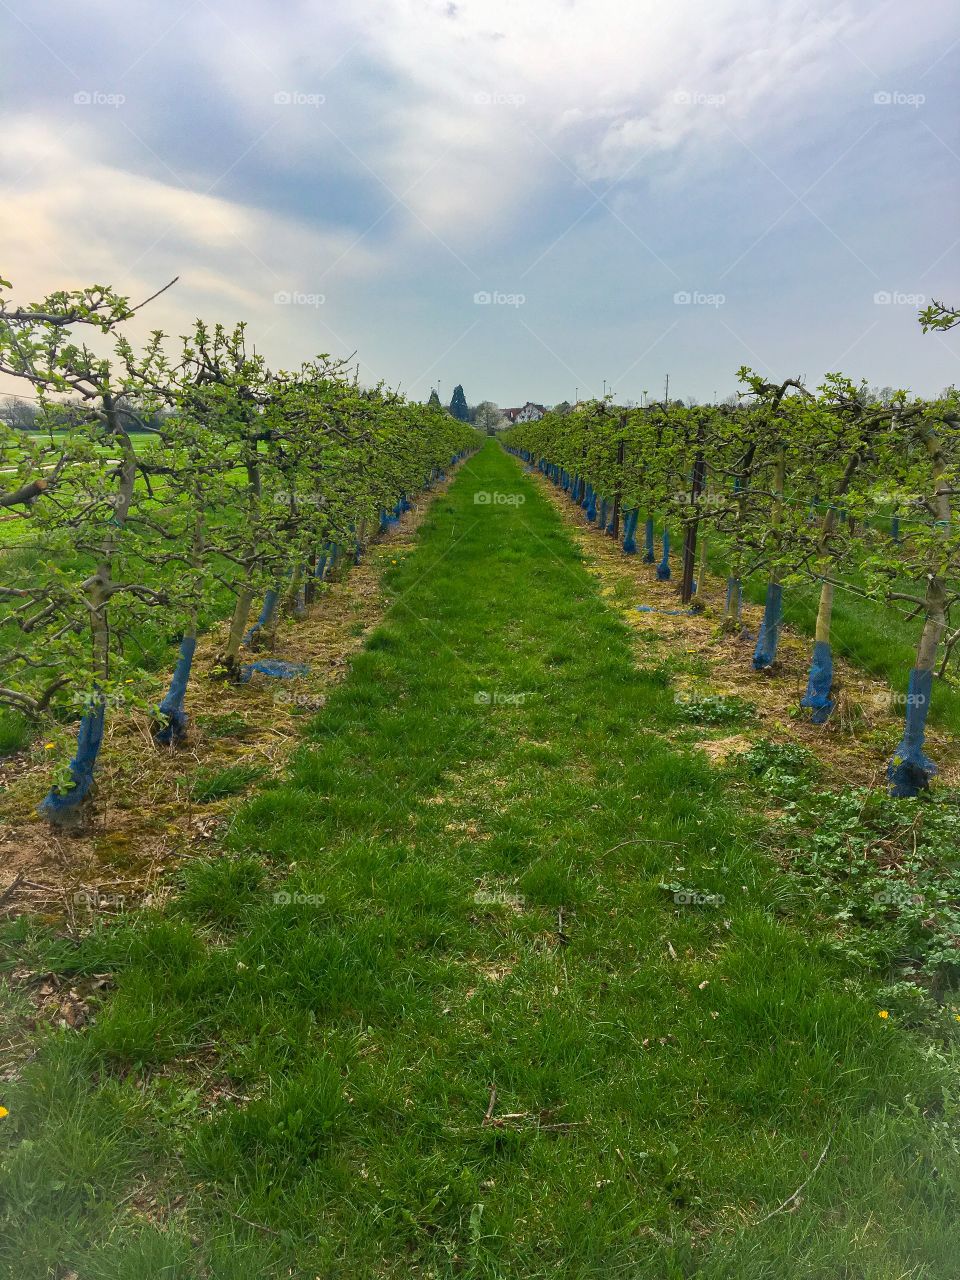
x: 591, y: 504
x: 819, y: 682
x: 895, y: 528
x: 174, y: 725
x: 266, y: 615
x: 630, y: 532
x: 911, y: 769
x: 649, y: 555
x: 63, y: 807
x: 765, y: 654
x: 602, y: 516
x: 663, y: 568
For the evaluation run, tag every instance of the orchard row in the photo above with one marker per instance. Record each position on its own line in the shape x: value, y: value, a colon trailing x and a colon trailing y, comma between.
x: 830, y: 488
x: 165, y: 487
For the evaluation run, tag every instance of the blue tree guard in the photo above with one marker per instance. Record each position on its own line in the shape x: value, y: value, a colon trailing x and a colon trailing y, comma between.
x: 819, y: 683
x: 630, y: 532
x: 591, y: 504
x: 911, y: 769
x: 765, y: 654
x: 267, y: 611
x: 663, y: 568
x: 173, y: 726
x: 649, y: 555
x: 63, y: 808
x: 602, y: 518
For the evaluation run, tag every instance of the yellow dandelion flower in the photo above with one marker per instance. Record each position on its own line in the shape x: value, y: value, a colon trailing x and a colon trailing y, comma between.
x: 3, y: 1112
x: 49, y: 746
x: 883, y: 1014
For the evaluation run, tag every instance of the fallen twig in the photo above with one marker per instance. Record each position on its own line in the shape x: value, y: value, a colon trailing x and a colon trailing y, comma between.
x: 11, y: 889
x: 790, y: 1199
x: 487, y: 1115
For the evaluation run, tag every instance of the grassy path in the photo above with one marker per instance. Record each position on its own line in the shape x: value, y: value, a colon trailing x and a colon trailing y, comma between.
x: 475, y: 1035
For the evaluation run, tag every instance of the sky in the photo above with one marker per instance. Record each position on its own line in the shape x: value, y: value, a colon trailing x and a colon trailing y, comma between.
x: 538, y: 200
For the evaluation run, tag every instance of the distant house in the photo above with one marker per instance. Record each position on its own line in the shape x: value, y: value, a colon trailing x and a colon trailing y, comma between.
x: 529, y: 412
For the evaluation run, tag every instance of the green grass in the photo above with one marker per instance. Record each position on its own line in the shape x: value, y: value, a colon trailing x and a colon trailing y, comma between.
x: 16, y: 731
x: 213, y: 784
x: 460, y: 884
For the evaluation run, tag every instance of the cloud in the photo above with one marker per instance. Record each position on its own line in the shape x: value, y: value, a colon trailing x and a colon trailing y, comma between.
x: 598, y: 155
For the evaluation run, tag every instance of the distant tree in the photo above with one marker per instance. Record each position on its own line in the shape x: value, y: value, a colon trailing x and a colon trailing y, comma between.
x: 458, y: 405
x: 563, y: 407
x: 19, y: 414
x: 487, y: 417
x: 434, y: 401
x: 878, y: 395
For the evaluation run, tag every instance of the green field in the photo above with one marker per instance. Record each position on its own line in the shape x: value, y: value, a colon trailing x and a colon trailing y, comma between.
x: 481, y: 1033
